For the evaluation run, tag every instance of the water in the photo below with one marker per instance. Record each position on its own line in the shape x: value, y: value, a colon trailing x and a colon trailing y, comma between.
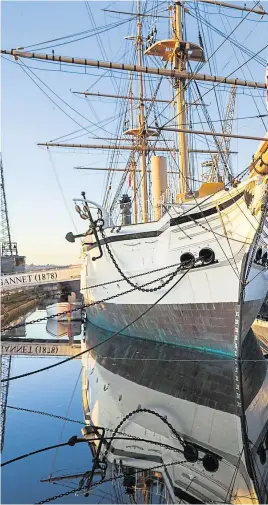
x: 184, y: 390
x: 56, y: 391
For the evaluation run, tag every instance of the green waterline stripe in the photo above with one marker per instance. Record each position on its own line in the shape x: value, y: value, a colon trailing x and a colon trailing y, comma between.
x: 185, y: 346
x: 207, y: 349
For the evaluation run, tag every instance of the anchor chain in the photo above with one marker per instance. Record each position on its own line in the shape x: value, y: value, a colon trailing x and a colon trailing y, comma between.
x: 83, y: 306
x: 127, y: 279
x: 95, y: 484
x: 147, y: 411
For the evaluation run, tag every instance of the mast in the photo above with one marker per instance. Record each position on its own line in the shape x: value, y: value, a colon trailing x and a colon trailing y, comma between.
x: 144, y: 191
x: 133, y: 162
x: 180, y: 64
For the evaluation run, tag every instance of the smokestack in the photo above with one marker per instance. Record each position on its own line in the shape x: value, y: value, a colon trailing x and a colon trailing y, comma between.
x: 125, y: 205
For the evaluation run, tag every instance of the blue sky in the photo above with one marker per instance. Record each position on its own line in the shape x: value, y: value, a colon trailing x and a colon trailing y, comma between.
x: 39, y: 216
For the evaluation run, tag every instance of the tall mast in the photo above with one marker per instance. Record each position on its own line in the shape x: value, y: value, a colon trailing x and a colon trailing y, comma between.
x: 144, y: 192
x: 133, y: 162
x: 180, y: 64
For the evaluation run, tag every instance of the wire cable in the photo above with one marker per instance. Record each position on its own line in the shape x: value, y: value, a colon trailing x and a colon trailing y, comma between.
x: 27, y: 374
x: 216, y: 85
x: 62, y: 495
x: 71, y: 442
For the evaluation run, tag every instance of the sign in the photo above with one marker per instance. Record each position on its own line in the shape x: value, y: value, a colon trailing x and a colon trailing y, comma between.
x: 33, y: 349
x: 40, y: 277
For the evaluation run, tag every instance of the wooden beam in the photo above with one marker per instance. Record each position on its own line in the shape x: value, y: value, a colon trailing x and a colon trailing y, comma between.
x: 125, y: 97
x: 176, y: 74
x: 216, y: 134
x: 232, y: 6
x: 177, y: 172
x: 119, y: 170
x: 135, y: 14
x: 104, y: 147
x: 128, y: 97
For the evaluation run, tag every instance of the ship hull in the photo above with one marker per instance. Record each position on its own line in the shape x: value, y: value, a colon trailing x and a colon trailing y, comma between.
x: 197, y: 393
x: 201, y: 308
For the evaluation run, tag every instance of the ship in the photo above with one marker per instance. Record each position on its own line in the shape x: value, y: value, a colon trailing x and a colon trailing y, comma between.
x: 163, y: 422
x: 175, y: 266
x: 186, y: 261
x: 163, y: 426
x: 260, y: 326
x: 207, y: 243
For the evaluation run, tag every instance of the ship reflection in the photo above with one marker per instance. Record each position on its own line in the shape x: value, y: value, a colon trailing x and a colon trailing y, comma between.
x: 191, y: 437
x: 58, y: 329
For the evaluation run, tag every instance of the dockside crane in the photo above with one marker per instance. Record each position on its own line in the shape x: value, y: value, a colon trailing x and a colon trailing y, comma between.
x: 217, y: 165
x: 7, y: 250
x: 5, y: 373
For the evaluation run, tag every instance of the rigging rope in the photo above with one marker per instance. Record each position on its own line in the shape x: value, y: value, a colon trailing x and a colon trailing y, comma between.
x: 73, y: 491
x: 216, y: 85
x: 106, y: 340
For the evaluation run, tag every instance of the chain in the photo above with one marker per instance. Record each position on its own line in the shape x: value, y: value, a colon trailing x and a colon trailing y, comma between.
x: 83, y: 306
x: 67, y: 493
x: 61, y: 495
x: 133, y: 276
x: 56, y: 293
x: 139, y: 288
x: 131, y: 437
x: 148, y: 411
x: 46, y: 414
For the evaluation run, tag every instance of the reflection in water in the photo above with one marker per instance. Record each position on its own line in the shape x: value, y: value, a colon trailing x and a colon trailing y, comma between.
x: 214, y: 448
x: 58, y: 328
x: 193, y: 444
x: 53, y: 327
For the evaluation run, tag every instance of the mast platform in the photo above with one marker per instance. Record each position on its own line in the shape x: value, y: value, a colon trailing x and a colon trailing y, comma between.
x: 165, y: 49
x: 136, y: 132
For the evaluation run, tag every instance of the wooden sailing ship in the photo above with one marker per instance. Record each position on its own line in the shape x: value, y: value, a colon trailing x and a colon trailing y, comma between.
x: 186, y: 264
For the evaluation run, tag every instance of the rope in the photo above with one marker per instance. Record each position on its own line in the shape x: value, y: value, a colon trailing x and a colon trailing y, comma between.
x: 71, y: 442
x: 97, y: 302
x: 100, y: 343
x: 73, y: 491
x: 130, y: 437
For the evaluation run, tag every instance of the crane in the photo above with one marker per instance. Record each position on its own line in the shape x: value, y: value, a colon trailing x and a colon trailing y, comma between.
x: 5, y: 373
x: 218, y: 165
x: 7, y: 245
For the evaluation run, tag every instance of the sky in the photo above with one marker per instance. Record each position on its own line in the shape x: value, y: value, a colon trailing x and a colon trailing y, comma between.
x: 41, y: 184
